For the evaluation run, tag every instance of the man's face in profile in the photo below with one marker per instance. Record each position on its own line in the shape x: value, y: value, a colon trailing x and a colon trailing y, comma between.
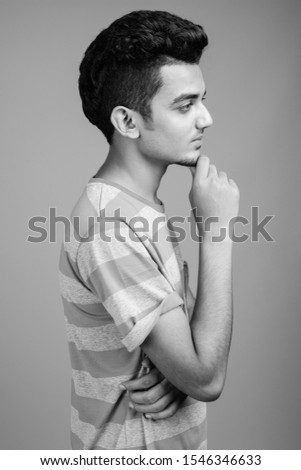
x: 179, y: 117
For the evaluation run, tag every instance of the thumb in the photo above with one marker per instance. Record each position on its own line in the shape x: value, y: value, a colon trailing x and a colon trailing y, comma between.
x: 202, y: 167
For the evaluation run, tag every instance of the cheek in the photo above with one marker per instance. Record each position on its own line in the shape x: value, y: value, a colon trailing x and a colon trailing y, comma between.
x: 170, y: 134
x: 174, y: 131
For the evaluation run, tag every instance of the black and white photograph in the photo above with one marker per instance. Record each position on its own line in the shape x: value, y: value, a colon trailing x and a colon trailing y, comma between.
x: 150, y: 255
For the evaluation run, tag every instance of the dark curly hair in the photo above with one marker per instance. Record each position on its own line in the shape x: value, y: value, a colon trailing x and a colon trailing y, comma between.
x: 122, y: 65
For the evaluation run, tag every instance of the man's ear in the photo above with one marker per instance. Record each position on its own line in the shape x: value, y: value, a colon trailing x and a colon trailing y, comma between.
x: 123, y: 119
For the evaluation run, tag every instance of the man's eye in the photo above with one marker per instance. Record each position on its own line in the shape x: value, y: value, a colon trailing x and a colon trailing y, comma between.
x: 185, y: 108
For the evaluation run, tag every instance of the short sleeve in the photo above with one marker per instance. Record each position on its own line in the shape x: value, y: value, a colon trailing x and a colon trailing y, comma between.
x: 117, y: 266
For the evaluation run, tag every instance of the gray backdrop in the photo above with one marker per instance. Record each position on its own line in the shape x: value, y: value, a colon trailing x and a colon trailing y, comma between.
x: 49, y: 151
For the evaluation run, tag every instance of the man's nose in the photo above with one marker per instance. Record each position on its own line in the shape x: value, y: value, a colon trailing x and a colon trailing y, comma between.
x: 204, y: 118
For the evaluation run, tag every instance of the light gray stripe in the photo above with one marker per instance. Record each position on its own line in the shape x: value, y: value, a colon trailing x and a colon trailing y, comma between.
x: 106, y: 389
x: 140, y: 431
x: 133, y: 448
x: 203, y: 445
x: 94, y: 253
x: 102, y: 338
x: 143, y: 327
x: 75, y: 292
x: 192, y: 439
x: 121, y: 273
x: 95, y: 411
x: 174, y: 443
x: 130, y: 302
x: 93, y: 194
x: 155, y: 221
x: 168, y: 301
x: 172, y: 268
x: 100, y: 194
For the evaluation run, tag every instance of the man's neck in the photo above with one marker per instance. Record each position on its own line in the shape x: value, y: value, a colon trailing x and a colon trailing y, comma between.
x: 135, y: 173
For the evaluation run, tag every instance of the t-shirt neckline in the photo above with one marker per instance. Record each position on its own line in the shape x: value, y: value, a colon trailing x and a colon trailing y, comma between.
x: 157, y: 206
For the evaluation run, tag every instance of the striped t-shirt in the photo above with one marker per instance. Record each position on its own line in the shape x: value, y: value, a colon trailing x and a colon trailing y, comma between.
x: 119, y: 271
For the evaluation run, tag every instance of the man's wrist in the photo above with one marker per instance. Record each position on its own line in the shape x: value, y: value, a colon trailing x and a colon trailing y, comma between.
x: 220, y: 237
x: 211, y: 249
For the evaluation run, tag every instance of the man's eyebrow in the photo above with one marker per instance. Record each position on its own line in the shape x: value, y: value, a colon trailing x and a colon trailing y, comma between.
x: 187, y: 96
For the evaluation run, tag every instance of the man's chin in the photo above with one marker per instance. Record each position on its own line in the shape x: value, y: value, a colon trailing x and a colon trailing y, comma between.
x: 192, y: 161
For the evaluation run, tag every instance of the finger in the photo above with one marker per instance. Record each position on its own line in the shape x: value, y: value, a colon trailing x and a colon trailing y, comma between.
x: 170, y: 410
x: 202, y: 167
x: 212, y: 171
x: 157, y: 406
x: 144, y: 382
x: 223, y: 175
x: 166, y: 413
x: 235, y: 187
x: 232, y: 182
x: 152, y: 395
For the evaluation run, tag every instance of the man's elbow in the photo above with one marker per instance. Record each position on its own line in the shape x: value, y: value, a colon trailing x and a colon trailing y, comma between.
x: 213, y: 392
x: 208, y: 391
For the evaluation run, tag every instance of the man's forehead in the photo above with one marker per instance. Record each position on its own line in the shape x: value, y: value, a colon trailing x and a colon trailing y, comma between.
x: 181, y: 79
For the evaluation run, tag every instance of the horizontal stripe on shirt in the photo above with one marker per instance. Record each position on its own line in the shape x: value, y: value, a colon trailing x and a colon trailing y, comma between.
x: 132, y: 432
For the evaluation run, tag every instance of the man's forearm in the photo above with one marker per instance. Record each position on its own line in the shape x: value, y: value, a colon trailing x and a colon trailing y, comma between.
x: 211, y: 323
x: 193, y: 356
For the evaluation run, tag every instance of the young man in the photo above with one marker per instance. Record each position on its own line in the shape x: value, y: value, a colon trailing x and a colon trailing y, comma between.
x: 146, y: 356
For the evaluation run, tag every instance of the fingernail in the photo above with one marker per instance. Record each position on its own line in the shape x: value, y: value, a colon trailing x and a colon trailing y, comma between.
x: 148, y: 416
x: 131, y: 405
x: 122, y: 387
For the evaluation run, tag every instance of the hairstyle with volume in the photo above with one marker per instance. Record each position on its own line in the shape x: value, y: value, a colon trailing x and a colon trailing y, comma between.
x: 121, y: 67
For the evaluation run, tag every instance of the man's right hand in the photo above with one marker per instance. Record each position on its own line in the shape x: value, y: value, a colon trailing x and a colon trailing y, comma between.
x: 153, y: 395
x: 213, y: 195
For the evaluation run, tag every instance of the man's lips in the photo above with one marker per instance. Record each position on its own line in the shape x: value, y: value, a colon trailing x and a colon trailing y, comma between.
x: 199, y: 138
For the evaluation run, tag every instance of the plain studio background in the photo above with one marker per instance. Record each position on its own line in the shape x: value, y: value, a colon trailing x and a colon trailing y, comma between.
x: 49, y: 151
